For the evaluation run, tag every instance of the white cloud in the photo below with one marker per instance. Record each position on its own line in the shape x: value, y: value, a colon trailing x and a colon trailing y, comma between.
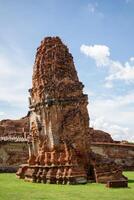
x: 118, y: 132
x: 93, y: 9
x: 114, y: 115
x: 15, y: 80
x: 5, y: 69
x: 100, y: 53
x: 132, y: 59
x: 116, y: 70
x: 2, y: 113
x: 108, y: 84
x: 13, y: 95
x: 13, y: 85
x: 125, y: 72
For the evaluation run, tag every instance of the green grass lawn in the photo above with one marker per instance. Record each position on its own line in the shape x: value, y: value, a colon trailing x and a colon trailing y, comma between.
x: 12, y: 188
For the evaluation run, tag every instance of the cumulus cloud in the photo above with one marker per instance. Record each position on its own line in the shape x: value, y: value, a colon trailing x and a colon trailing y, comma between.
x: 116, y: 69
x: 114, y: 115
x: 118, y: 132
x: 100, y: 53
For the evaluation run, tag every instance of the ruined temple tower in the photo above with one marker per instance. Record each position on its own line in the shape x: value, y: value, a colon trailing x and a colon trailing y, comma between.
x: 59, y: 142
x: 58, y: 105
x: 59, y: 121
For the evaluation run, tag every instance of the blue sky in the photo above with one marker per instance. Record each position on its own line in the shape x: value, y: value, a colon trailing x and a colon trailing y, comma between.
x: 99, y: 35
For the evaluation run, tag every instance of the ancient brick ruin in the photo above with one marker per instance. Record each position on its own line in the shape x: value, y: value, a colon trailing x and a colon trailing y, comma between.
x: 59, y: 121
x: 13, y: 152
x: 59, y: 139
x: 14, y: 128
x: 14, y: 148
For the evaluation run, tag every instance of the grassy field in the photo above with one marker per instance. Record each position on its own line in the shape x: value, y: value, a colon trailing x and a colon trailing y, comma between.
x: 14, y: 189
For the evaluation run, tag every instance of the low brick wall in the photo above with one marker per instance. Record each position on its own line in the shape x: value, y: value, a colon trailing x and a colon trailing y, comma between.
x: 123, y: 154
x: 15, y: 152
x: 12, y: 154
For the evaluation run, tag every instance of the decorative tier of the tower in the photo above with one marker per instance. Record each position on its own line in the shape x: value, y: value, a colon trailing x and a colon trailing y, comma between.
x: 59, y: 122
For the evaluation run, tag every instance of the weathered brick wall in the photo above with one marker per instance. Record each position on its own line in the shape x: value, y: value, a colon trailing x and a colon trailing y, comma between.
x: 12, y: 154
x: 14, y: 128
x: 123, y: 154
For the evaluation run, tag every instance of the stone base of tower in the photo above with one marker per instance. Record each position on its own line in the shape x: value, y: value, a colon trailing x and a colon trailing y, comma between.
x: 60, y: 174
